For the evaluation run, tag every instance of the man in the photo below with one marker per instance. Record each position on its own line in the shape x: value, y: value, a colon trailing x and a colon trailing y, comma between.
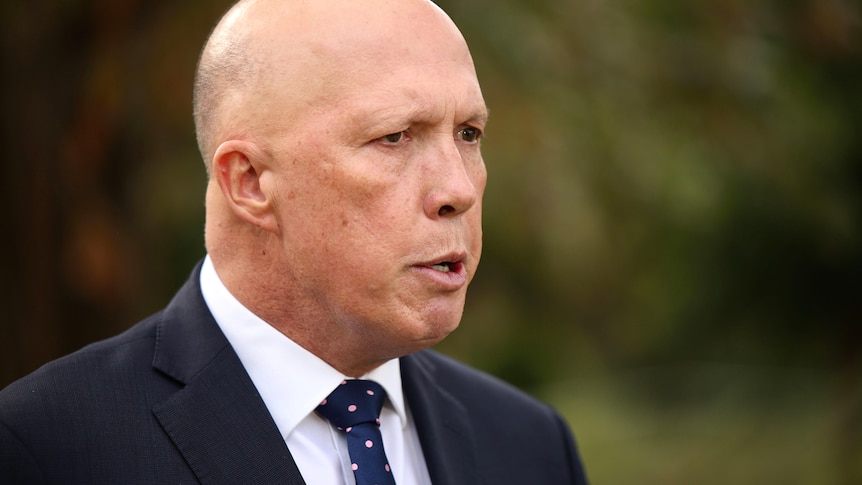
x: 341, y: 139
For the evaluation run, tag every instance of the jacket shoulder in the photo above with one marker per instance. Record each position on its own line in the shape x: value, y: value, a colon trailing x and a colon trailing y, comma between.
x: 525, y: 433
x: 81, y: 417
x: 95, y: 364
x: 473, y: 384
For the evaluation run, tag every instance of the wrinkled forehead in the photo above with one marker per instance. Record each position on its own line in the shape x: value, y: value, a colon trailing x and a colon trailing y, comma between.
x: 306, y: 56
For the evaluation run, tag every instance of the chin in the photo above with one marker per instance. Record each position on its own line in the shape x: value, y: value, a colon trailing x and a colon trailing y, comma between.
x: 433, y: 330
x: 418, y: 344
x: 416, y: 330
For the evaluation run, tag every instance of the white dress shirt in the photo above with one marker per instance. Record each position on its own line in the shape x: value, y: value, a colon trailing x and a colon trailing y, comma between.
x: 292, y: 382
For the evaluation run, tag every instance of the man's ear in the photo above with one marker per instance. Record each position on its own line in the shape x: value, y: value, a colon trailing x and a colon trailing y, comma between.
x: 240, y: 167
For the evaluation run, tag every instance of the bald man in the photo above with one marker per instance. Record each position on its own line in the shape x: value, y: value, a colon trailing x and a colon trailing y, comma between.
x: 341, y: 140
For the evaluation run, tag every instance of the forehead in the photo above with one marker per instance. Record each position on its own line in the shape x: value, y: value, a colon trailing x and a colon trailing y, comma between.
x: 400, y: 59
x: 369, y: 95
x: 417, y: 95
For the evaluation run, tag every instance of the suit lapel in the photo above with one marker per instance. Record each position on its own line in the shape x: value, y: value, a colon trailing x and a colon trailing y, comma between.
x: 441, y: 421
x: 217, y: 421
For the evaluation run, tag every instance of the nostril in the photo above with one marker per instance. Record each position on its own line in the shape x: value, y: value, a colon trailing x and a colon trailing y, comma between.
x: 446, y: 209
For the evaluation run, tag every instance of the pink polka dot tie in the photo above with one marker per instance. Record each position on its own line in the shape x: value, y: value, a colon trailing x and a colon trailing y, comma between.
x: 354, y: 408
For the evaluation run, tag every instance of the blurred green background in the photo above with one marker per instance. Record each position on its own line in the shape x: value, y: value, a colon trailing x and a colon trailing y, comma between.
x: 673, y: 229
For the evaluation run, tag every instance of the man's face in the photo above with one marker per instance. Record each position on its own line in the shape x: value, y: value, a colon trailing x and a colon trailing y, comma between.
x: 379, y: 181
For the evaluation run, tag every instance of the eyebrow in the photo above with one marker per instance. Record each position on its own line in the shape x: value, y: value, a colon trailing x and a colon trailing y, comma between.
x: 415, y: 113
x: 480, y: 116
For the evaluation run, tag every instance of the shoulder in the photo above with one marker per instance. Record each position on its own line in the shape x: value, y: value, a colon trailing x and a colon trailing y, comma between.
x: 110, y: 368
x: 473, y: 385
x: 88, y: 409
x: 488, y: 401
x: 116, y: 365
x: 96, y: 364
x: 91, y: 384
x: 513, y: 433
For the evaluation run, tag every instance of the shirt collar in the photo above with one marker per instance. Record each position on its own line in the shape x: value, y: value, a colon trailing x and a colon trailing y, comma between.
x: 291, y: 380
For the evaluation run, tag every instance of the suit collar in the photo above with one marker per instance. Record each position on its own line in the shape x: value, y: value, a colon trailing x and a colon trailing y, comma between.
x: 187, y: 337
x: 441, y: 422
x: 217, y: 420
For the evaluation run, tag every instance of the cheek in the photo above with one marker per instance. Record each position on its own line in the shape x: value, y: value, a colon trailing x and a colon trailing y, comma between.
x: 349, y: 234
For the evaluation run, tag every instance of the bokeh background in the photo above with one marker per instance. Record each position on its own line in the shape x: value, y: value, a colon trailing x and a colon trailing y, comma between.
x: 673, y: 250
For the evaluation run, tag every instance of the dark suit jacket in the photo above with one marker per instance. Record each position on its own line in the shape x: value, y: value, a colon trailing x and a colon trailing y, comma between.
x: 168, y: 401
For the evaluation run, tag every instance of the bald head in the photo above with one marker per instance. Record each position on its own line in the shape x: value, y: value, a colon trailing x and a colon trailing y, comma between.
x: 297, y: 48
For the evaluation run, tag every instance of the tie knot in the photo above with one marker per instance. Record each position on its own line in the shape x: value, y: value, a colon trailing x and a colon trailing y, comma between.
x: 352, y: 403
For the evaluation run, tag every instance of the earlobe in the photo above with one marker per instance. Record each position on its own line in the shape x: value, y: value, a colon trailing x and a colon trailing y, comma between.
x: 240, y: 169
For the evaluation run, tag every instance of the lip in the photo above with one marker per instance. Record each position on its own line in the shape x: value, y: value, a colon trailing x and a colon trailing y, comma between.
x: 453, y: 279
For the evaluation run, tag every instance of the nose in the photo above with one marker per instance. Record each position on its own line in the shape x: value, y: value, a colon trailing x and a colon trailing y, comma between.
x: 455, y: 181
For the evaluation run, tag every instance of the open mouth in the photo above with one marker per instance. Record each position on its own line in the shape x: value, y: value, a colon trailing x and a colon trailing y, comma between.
x: 449, y: 274
x: 443, y: 267
x: 446, y: 266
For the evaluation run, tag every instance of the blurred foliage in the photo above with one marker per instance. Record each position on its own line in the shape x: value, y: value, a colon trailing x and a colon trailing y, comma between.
x: 673, y: 228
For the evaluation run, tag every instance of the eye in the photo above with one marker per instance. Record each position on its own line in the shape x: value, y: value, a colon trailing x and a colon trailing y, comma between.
x: 470, y: 135
x: 393, y: 137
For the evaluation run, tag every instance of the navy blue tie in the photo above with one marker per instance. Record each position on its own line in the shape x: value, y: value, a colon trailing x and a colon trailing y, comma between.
x: 354, y: 408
